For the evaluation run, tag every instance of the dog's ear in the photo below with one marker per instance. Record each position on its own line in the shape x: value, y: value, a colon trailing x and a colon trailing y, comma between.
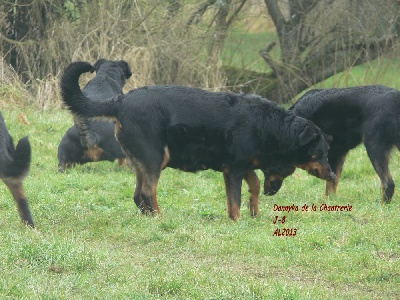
x: 97, y: 65
x: 125, y: 66
x: 308, y: 135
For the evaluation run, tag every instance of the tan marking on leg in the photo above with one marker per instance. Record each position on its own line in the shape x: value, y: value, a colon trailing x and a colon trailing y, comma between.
x: 137, y: 197
x: 149, y: 191
x: 121, y: 161
x: 254, y: 188
x: 154, y: 199
x: 166, y: 158
x: 117, y: 127
x: 234, y: 211
x: 17, y: 191
x: 232, y: 204
x: 331, y: 187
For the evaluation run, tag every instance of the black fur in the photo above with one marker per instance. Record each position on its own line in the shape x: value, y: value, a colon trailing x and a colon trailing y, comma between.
x: 14, y: 166
x: 89, y: 141
x: 71, y: 151
x: 192, y: 129
x: 369, y: 114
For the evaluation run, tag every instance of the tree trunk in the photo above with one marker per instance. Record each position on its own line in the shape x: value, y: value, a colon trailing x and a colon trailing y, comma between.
x: 317, y: 40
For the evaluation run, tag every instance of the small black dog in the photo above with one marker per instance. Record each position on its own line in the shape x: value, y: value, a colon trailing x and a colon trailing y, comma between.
x: 89, y: 141
x: 14, y: 166
x: 192, y: 129
x: 369, y: 114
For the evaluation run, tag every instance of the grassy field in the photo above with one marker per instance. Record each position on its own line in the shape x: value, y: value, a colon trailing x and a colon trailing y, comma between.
x: 91, y: 243
x: 241, y: 50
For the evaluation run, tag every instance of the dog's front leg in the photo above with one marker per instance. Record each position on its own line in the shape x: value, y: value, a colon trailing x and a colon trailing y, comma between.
x: 233, y: 186
x: 336, y: 161
x: 254, y: 188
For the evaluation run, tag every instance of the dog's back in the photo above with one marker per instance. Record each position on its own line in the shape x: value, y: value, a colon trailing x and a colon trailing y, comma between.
x: 14, y: 166
x: 360, y: 98
x: 344, y: 112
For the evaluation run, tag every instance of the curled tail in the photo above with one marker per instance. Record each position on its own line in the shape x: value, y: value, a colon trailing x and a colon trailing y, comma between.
x: 77, y: 102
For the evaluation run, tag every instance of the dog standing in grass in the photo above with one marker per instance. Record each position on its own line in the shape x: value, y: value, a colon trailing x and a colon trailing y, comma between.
x: 354, y: 115
x: 193, y: 129
x: 14, y: 166
x: 88, y: 140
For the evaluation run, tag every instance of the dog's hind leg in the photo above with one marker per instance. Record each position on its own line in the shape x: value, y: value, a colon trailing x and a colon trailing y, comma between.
x: 17, y: 191
x: 149, y: 190
x: 233, y: 185
x: 145, y: 195
x: 379, y: 156
x: 254, y: 188
x: 336, y: 162
x: 137, y: 197
x: 150, y: 181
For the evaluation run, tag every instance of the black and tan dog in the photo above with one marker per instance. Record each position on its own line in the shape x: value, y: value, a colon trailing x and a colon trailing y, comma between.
x: 369, y: 114
x: 192, y: 129
x: 71, y: 151
x: 14, y: 166
x: 89, y: 141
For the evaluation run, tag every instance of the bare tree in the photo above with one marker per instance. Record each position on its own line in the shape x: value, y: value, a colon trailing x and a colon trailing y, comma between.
x: 318, y: 39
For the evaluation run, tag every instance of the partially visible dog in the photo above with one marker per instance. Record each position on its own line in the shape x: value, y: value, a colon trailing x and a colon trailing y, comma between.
x: 14, y: 166
x: 89, y: 141
x: 192, y: 129
x: 369, y: 114
x: 71, y: 151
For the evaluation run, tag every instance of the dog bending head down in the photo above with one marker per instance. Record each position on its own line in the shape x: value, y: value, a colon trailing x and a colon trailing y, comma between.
x: 14, y: 166
x: 192, y: 129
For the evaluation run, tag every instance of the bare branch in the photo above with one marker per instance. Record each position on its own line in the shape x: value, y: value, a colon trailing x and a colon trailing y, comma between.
x: 195, y: 17
x: 276, y: 14
x: 267, y: 57
x: 235, y: 13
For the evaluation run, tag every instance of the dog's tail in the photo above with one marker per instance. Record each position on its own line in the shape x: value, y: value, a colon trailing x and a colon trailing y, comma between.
x: 14, y: 166
x: 14, y: 162
x: 77, y: 102
x: 22, y: 159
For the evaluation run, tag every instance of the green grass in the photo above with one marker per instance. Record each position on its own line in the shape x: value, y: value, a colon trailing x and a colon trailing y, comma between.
x: 380, y: 71
x: 91, y: 243
x: 242, y: 50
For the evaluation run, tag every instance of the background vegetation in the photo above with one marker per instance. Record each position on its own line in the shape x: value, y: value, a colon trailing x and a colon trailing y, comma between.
x: 273, y: 48
x: 90, y: 241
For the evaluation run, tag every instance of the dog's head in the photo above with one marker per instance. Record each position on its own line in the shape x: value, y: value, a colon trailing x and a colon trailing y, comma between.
x: 273, y: 178
x: 125, y: 66
x: 312, y: 154
x: 110, y: 64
